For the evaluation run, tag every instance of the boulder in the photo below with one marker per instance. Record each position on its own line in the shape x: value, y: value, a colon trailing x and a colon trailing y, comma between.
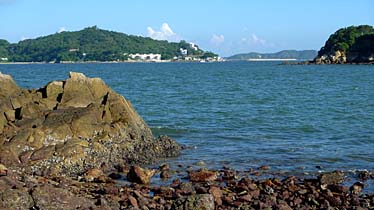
x: 140, y: 175
x: 68, y: 127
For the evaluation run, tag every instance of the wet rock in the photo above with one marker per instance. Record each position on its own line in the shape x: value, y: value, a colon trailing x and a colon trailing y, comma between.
x: 264, y: 168
x: 165, y: 174
x: 202, y: 175
x: 164, y: 167
x: 201, y: 201
x: 357, y: 188
x: 331, y: 178
x: 140, y: 175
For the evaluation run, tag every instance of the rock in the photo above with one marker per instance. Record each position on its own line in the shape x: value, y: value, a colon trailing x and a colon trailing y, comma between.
x: 164, y: 167
x: 331, y: 178
x: 264, y: 168
x: 69, y: 126
x: 201, y: 201
x: 202, y: 175
x: 165, y: 174
x: 217, y: 194
x: 357, y: 188
x: 15, y: 199
x: 140, y: 175
x: 49, y: 197
x: 3, y: 170
x: 93, y: 174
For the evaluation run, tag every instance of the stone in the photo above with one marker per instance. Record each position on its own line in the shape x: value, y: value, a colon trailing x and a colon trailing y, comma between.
x: 357, y: 188
x: 50, y: 197
x: 200, y: 201
x: 331, y: 178
x: 202, y: 175
x: 93, y: 174
x: 139, y: 175
x: 15, y: 199
x: 217, y: 194
x: 3, y: 170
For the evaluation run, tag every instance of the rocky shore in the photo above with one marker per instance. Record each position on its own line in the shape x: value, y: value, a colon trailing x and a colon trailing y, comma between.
x: 76, y: 144
x: 129, y: 188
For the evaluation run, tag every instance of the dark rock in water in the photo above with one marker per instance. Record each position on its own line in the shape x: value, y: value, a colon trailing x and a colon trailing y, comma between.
x: 70, y: 126
x: 140, y: 175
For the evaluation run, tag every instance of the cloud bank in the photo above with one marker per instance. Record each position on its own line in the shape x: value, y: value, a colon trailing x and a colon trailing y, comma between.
x: 217, y: 39
x: 165, y: 33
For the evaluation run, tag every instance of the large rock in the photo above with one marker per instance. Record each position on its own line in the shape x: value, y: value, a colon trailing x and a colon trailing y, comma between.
x: 70, y: 126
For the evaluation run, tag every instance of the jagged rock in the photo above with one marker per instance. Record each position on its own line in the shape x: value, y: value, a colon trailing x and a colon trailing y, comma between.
x: 140, y: 175
x: 70, y: 126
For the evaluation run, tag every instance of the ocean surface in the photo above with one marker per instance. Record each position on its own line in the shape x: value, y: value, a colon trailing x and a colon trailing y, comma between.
x: 295, y: 119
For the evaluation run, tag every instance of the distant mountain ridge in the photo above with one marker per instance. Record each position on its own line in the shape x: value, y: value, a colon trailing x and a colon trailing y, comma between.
x: 284, y: 54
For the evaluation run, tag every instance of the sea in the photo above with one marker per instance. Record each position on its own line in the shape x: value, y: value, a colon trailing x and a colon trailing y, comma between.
x: 296, y: 119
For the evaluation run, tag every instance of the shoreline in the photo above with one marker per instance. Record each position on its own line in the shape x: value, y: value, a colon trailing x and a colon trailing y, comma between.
x: 131, y: 187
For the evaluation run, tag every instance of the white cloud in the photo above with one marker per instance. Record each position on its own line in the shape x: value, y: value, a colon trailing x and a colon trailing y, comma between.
x: 61, y: 29
x: 165, y: 33
x: 217, y: 39
x: 257, y: 41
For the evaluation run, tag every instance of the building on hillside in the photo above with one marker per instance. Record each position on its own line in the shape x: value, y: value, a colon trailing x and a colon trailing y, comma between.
x: 145, y: 57
x: 183, y: 51
x: 3, y: 59
x: 194, y: 46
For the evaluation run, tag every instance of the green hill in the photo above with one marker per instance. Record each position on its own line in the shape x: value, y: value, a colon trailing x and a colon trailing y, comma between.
x: 285, y: 54
x: 354, y: 44
x: 91, y: 44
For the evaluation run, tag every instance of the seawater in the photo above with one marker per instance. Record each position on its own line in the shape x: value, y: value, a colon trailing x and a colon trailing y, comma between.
x: 244, y: 114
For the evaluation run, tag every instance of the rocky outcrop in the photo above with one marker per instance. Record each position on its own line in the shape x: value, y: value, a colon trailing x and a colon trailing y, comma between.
x: 70, y: 126
x: 338, y: 57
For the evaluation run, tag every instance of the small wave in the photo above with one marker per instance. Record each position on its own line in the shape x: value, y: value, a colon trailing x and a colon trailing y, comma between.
x: 161, y: 130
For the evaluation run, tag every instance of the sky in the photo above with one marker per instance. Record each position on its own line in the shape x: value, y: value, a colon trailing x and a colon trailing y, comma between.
x: 225, y: 27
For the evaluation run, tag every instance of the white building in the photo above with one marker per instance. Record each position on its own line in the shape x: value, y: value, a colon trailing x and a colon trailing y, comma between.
x: 146, y: 57
x: 183, y: 51
x: 194, y: 46
x: 4, y: 59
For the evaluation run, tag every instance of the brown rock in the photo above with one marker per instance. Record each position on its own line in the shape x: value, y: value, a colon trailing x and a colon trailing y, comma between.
x: 15, y: 199
x: 50, y: 197
x: 140, y: 175
x: 202, y: 175
x: 331, y: 178
x: 3, y: 170
x: 217, y: 194
x: 93, y: 174
x: 200, y: 201
x: 133, y: 201
x: 69, y: 126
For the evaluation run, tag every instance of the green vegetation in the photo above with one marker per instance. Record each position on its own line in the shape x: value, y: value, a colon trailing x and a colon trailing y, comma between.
x: 285, y: 54
x: 363, y: 48
x: 91, y: 44
x: 4, y: 48
x: 344, y: 39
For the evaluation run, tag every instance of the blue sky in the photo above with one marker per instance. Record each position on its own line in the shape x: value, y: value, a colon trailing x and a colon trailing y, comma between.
x: 223, y: 26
